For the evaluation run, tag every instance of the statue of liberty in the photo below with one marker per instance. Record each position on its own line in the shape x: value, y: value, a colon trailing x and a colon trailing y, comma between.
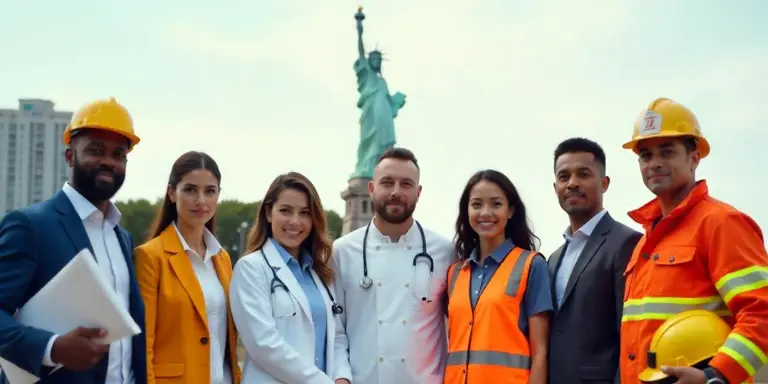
x: 379, y: 108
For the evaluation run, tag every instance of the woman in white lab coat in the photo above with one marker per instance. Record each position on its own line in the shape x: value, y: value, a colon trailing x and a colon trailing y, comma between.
x: 280, y: 296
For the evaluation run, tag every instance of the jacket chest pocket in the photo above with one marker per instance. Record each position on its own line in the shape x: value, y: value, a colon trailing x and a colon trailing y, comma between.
x: 671, y: 265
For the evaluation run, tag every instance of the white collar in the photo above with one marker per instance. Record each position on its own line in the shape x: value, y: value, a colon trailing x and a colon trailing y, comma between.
x: 410, y: 237
x: 587, y: 228
x: 86, y: 209
x: 212, y: 246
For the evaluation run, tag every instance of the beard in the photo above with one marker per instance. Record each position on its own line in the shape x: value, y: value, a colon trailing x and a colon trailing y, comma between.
x: 381, y: 211
x: 93, y: 189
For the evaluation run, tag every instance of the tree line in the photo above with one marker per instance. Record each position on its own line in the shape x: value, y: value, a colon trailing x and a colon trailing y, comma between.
x: 230, y: 216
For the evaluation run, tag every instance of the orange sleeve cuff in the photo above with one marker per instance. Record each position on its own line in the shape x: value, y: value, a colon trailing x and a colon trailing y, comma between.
x: 729, y: 368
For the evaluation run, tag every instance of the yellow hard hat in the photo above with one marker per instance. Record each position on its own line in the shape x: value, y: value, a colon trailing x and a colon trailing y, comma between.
x: 107, y: 115
x: 684, y: 340
x: 667, y: 118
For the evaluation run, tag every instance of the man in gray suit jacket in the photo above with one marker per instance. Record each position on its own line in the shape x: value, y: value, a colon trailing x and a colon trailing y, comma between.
x: 587, y: 271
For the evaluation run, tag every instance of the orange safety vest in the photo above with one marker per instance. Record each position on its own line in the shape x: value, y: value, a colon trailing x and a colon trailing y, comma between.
x: 485, y: 343
x: 703, y: 255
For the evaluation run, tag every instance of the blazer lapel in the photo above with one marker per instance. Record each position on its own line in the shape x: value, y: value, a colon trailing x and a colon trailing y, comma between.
x: 182, y: 267
x: 554, y: 261
x: 70, y: 220
x: 284, y: 273
x: 594, y: 243
x: 224, y: 272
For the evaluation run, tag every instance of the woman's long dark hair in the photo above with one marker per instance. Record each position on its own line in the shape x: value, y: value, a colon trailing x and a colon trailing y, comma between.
x: 517, y: 228
x: 186, y: 163
x: 317, y: 243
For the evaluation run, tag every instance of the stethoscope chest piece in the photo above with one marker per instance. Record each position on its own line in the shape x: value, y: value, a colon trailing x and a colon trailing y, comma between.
x: 366, y: 282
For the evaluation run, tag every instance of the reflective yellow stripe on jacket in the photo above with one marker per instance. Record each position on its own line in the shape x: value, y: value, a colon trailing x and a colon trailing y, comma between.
x: 741, y: 349
x: 662, y: 308
x: 744, y: 280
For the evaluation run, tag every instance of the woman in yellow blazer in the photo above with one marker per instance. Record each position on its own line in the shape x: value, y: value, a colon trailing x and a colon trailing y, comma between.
x: 184, y: 275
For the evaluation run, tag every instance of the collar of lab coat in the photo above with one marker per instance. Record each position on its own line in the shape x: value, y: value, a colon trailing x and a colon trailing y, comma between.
x: 411, y: 237
x: 284, y: 273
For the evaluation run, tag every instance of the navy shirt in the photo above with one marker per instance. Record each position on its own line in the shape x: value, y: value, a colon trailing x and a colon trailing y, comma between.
x: 314, y: 297
x: 538, y: 294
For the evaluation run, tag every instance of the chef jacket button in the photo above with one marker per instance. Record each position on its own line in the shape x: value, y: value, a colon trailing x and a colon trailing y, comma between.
x: 378, y: 247
x: 632, y: 357
x: 671, y: 259
x: 405, y: 321
x: 379, y: 283
x: 407, y: 285
x: 203, y: 340
x: 408, y: 247
x: 402, y: 359
x: 381, y: 322
x: 381, y: 359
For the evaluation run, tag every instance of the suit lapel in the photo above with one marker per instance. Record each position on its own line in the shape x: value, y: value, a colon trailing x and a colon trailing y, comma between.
x: 73, y: 225
x: 554, y: 261
x: 594, y: 243
x: 224, y: 272
x: 182, y: 267
x: 284, y: 273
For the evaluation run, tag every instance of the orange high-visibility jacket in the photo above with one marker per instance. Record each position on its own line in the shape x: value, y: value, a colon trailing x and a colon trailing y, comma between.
x: 704, y: 255
x: 485, y: 344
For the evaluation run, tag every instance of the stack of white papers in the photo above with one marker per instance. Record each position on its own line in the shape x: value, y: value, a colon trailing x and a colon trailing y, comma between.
x: 78, y: 296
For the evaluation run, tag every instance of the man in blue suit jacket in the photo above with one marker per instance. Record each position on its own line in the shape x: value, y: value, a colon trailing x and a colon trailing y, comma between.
x: 38, y: 241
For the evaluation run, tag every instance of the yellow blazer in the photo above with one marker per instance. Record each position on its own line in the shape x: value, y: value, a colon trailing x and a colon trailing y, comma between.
x: 178, y: 348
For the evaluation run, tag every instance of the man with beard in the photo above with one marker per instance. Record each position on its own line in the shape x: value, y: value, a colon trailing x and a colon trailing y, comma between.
x: 390, y: 277
x: 587, y: 271
x: 36, y: 242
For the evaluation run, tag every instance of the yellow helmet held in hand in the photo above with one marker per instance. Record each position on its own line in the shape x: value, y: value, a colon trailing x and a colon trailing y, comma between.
x: 684, y: 340
x: 107, y: 115
x: 667, y: 118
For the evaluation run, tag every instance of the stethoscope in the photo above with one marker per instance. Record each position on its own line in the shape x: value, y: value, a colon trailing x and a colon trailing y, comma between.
x: 366, y: 281
x: 278, y: 283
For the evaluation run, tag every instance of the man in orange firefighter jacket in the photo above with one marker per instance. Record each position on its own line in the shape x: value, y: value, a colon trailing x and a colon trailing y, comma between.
x: 697, y: 253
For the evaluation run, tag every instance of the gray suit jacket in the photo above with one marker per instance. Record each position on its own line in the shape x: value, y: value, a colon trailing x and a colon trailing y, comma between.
x: 584, y: 337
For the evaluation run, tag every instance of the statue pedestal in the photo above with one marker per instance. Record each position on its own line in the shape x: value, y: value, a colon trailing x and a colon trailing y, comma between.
x: 359, y: 209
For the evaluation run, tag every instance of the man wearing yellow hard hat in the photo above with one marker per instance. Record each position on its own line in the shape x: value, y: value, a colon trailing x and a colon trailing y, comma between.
x: 37, y: 241
x: 697, y: 253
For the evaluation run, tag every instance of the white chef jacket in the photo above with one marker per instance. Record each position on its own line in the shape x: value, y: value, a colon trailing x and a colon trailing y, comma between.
x: 391, y: 334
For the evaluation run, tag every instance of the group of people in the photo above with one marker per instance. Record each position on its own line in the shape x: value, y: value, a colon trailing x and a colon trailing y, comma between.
x: 393, y: 302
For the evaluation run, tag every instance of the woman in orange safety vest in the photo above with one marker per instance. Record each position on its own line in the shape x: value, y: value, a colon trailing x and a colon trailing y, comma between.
x: 499, y: 292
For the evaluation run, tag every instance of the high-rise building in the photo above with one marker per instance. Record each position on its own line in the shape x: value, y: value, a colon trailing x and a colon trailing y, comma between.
x: 32, y: 166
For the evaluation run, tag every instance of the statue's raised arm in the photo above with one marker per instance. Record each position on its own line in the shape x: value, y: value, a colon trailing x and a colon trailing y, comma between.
x: 359, y: 16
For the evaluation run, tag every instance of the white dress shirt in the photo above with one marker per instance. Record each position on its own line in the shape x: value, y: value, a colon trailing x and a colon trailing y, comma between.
x: 392, y: 335
x: 576, y: 243
x: 215, y: 304
x: 109, y: 255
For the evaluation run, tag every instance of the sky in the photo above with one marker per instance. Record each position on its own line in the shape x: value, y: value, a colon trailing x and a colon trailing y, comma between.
x: 268, y: 87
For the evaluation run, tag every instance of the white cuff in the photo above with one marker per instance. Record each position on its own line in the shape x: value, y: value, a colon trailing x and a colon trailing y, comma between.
x: 47, y: 357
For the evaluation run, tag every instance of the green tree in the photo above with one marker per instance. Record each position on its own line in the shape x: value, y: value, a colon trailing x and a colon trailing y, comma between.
x: 230, y: 216
x: 137, y: 217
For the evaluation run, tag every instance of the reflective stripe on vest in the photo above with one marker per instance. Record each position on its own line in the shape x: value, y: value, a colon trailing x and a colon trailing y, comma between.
x: 485, y: 343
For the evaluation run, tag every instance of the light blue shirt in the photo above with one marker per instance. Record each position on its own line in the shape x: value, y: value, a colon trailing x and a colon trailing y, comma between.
x: 314, y: 297
x: 538, y: 294
x: 575, y: 244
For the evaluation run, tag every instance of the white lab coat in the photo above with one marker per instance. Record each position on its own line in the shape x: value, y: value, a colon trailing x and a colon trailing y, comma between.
x: 278, y: 350
x: 393, y: 337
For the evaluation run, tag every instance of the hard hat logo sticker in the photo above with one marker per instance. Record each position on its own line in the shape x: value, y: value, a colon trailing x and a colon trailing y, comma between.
x: 651, y: 124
